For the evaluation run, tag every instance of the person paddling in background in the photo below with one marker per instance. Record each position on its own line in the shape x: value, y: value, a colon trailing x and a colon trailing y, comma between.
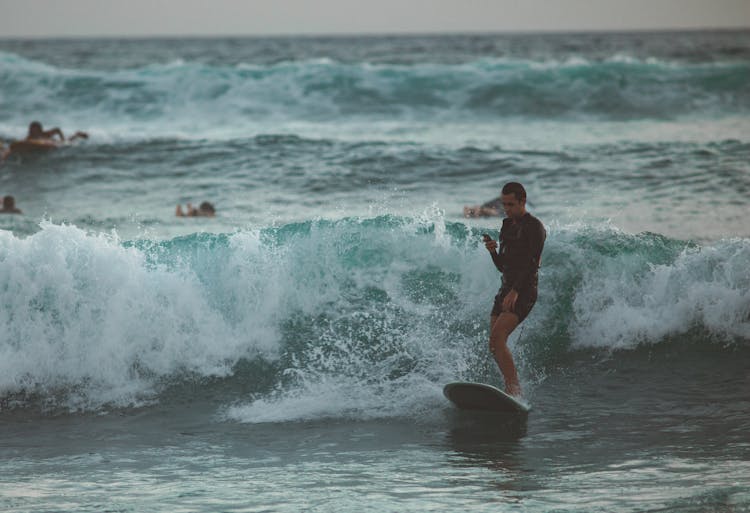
x: 518, y: 255
x: 38, y: 133
x: 9, y: 206
x: 491, y: 208
x: 205, y: 209
x: 39, y: 139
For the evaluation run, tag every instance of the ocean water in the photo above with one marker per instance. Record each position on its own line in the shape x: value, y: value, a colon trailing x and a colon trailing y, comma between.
x: 289, y: 354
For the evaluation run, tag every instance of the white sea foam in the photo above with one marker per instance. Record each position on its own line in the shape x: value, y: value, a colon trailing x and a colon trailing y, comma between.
x: 366, y: 317
x: 92, y: 321
x: 620, y: 304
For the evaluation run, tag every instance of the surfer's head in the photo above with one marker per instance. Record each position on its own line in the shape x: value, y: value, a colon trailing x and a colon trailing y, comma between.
x: 9, y: 203
x: 35, y: 130
x: 513, y: 198
x: 206, y: 209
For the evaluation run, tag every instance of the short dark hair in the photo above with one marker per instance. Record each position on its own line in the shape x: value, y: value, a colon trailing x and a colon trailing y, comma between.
x: 35, y: 126
x: 516, y: 189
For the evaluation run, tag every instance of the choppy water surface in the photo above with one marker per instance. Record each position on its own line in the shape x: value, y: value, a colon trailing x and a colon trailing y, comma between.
x: 289, y: 354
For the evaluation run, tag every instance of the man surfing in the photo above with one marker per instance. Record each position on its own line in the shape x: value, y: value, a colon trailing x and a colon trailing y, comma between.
x: 518, y: 255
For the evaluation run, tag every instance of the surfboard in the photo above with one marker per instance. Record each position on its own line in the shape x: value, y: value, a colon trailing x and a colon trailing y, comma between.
x: 478, y: 396
x: 24, y: 145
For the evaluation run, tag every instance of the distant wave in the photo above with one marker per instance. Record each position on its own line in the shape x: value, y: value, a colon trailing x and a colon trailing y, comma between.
x: 618, y: 88
x: 349, y: 311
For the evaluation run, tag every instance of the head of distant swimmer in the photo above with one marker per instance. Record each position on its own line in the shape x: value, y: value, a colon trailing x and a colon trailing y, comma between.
x: 513, y: 198
x: 35, y: 130
x: 9, y: 203
x: 206, y: 209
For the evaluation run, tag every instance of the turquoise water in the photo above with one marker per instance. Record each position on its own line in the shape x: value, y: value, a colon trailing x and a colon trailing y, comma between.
x: 289, y: 354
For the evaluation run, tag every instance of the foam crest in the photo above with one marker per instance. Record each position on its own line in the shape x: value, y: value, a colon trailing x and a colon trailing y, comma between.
x: 628, y: 299
x: 89, y: 322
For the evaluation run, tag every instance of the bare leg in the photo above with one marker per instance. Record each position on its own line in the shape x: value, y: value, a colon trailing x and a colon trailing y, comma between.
x: 502, y: 326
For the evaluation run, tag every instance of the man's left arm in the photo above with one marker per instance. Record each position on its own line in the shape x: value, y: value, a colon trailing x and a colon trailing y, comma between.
x: 535, y: 243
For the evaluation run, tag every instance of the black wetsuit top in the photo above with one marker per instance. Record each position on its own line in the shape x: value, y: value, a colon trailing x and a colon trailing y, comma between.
x: 520, y: 252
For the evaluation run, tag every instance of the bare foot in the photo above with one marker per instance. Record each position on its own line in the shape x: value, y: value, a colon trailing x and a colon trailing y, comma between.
x: 513, y: 389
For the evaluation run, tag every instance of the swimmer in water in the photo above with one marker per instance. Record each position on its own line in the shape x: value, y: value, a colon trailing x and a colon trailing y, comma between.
x: 9, y: 206
x: 38, y: 139
x: 492, y: 208
x: 205, y: 209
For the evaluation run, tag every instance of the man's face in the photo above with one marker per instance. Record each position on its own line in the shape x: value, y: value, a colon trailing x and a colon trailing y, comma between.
x: 512, y: 207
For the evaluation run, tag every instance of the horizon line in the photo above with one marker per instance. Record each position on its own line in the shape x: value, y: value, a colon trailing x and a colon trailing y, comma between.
x: 404, y: 33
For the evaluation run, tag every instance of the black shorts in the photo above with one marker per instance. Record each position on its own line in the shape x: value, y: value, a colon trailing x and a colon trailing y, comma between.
x: 524, y: 303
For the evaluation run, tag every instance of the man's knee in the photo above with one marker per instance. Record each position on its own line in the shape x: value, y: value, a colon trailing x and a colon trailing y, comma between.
x: 505, y: 324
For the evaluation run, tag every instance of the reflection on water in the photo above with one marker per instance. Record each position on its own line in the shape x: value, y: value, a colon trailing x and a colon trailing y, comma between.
x: 491, y: 441
x: 491, y: 438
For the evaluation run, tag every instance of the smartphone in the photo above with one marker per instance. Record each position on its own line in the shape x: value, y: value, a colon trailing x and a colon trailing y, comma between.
x: 486, y: 237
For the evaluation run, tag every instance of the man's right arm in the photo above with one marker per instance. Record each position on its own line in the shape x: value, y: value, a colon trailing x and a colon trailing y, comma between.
x: 497, y: 259
x: 53, y: 132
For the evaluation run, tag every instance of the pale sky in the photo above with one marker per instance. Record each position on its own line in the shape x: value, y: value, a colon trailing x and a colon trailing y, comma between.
x: 51, y: 18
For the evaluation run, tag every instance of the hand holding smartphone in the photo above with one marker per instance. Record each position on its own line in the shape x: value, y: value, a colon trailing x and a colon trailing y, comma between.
x: 489, y: 243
